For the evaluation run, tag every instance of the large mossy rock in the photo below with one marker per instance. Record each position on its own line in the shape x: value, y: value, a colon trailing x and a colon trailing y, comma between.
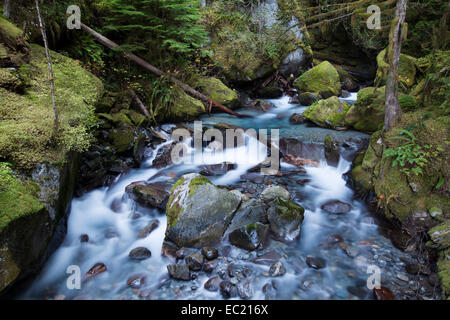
x: 198, y: 212
x: 367, y: 114
x: 406, y: 69
x: 219, y: 92
x: 285, y: 218
x: 322, y: 80
x: 184, y: 107
x: 329, y: 113
x: 14, y: 49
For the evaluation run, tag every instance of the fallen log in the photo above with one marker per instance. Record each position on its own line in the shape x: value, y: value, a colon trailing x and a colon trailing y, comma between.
x: 144, y: 64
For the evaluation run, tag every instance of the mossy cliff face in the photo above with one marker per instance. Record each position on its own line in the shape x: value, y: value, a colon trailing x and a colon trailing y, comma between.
x: 322, y: 80
x: 328, y: 113
x: 37, y: 182
x: 198, y: 212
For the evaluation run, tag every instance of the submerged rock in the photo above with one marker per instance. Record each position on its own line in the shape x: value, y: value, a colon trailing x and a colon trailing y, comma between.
x: 315, y: 263
x: 213, y: 284
x: 322, y: 80
x: 336, y: 206
x: 143, y: 233
x: 268, y: 258
x: 227, y: 289
x: 198, y: 212
x: 245, y: 289
x: 285, y: 218
x: 137, y: 281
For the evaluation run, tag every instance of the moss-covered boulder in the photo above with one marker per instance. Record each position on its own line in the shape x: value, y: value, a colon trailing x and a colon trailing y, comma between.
x: 219, y: 92
x: 329, y: 113
x: 323, y: 80
x: 198, y: 212
x: 367, y: 114
x: 14, y: 49
x: 183, y: 107
x: 285, y: 218
x: 406, y: 69
x: 443, y: 265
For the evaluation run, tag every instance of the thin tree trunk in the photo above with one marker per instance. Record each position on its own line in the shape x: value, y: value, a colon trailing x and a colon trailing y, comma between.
x: 142, y: 106
x: 130, y: 56
x: 7, y: 11
x: 393, y: 111
x: 50, y: 70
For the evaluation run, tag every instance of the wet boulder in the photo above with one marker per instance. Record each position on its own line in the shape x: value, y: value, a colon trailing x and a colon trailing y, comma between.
x: 285, y: 218
x: 296, y: 119
x: 315, y: 262
x: 250, y: 237
x: 322, y: 80
x: 270, y: 92
x: 144, y: 232
x: 195, y: 261
x: 250, y: 212
x: 210, y: 253
x: 328, y: 113
x: 164, y: 156
x: 307, y: 98
x: 179, y: 271
x: 272, y: 192
x: 149, y: 194
x: 336, y: 207
x: 277, y: 269
x: 219, y: 92
x: 198, y: 212
x: 213, y: 284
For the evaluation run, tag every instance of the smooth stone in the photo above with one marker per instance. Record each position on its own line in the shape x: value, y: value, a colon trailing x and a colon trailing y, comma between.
x: 209, y: 266
x: 272, y: 192
x: 213, y: 284
x: 140, y: 253
x: 95, y: 270
x: 84, y: 238
x: 336, y: 207
x: 383, y: 293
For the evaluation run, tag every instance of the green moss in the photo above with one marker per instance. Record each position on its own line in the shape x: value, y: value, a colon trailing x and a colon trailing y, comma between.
x: 328, y: 113
x: 219, y: 92
x: 367, y: 114
x: 26, y: 128
x: 406, y: 69
x: 18, y: 198
x: 184, y: 107
x: 323, y: 79
x: 288, y: 210
x: 122, y: 139
x: 9, y: 33
x: 407, y: 102
x: 196, y: 182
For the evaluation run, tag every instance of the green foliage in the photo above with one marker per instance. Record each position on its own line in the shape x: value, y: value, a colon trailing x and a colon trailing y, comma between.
x: 169, y: 27
x: 411, y: 156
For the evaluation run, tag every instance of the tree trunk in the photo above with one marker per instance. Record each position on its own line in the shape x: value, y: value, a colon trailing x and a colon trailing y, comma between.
x: 50, y: 70
x: 7, y: 11
x: 393, y: 111
x: 130, y: 56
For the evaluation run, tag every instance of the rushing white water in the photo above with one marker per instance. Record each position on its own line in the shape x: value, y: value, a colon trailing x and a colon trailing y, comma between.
x: 112, y: 222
